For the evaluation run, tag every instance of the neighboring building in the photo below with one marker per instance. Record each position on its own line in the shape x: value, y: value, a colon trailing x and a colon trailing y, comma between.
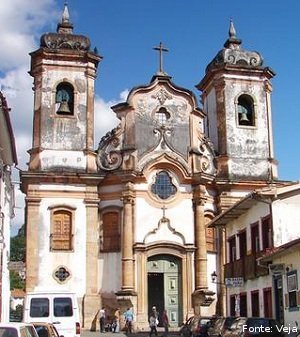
x: 8, y: 159
x: 260, y: 230
x: 284, y: 266
x: 125, y: 224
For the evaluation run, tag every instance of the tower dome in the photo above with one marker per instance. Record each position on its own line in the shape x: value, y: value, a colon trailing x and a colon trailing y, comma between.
x: 233, y: 54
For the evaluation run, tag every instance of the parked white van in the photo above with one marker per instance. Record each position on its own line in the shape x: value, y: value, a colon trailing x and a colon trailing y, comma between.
x: 61, y: 309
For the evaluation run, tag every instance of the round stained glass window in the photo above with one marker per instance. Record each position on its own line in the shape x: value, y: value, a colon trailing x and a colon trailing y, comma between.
x: 163, y: 186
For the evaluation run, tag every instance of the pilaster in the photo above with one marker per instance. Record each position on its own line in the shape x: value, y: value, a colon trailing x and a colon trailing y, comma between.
x: 32, y: 253
x: 91, y: 301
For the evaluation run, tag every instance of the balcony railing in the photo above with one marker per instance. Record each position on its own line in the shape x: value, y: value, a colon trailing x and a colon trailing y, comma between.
x: 246, y: 267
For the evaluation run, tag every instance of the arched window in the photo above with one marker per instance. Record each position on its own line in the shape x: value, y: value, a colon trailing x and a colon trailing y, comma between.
x: 163, y: 186
x: 61, y: 230
x: 162, y: 116
x: 64, y: 99
x: 246, y: 110
x: 111, y: 233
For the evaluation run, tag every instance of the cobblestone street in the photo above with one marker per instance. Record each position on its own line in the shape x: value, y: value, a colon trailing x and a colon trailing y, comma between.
x: 88, y: 333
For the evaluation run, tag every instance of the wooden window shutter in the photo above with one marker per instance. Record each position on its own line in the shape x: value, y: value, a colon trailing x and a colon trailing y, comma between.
x: 298, y: 297
x: 111, y: 232
x: 286, y: 300
x: 61, y: 236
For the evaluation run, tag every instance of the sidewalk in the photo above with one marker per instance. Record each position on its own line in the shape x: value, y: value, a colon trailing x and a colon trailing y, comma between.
x: 88, y: 333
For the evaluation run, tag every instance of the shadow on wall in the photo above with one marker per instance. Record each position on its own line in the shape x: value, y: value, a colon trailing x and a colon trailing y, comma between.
x: 94, y: 322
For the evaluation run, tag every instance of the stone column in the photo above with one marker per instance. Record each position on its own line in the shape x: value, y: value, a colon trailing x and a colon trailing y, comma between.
x: 91, y: 301
x: 221, y: 303
x: 127, y: 240
x: 200, y: 240
x: 32, y: 228
x: 127, y: 296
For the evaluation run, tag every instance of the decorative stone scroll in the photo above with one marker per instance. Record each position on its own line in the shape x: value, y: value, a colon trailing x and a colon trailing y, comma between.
x: 65, y: 41
x: 109, y: 155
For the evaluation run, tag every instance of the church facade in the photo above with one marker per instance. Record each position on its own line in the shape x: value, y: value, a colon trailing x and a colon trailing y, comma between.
x: 125, y: 224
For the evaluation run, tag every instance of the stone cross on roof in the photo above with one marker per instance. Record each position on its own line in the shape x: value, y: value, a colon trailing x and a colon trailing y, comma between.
x: 161, y: 49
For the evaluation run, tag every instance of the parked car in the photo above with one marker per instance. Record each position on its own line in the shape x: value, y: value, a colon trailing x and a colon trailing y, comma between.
x: 196, y: 326
x: 219, y: 326
x: 45, y: 329
x: 17, y: 330
x: 254, y: 327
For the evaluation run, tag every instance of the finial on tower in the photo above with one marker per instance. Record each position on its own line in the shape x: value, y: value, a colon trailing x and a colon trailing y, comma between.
x: 65, y: 16
x: 232, y: 32
x: 232, y: 42
x: 65, y: 26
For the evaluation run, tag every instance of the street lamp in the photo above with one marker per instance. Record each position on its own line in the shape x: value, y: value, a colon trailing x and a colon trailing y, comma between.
x: 214, y: 278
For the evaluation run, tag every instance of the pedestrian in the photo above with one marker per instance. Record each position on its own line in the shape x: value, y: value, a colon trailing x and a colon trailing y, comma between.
x: 153, y: 324
x: 102, y: 319
x: 165, y: 323
x: 128, y: 315
x: 116, y: 323
x: 155, y: 313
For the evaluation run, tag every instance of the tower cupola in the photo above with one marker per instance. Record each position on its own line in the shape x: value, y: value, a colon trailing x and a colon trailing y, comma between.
x: 64, y: 71
x: 236, y: 95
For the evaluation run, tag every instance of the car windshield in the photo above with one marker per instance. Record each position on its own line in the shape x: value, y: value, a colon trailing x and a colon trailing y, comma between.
x: 8, y: 332
x: 27, y: 331
x: 258, y: 322
x: 41, y: 330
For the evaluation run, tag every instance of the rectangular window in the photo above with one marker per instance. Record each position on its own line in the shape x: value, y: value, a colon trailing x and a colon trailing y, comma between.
x: 39, y: 307
x: 266, y: 230
x: 243, y: 305
x: 292, y: 287
x: 254, y: 238
x: 63, y: 307
x: 61, y: 237
x: 255, y: 303
x: 232, y: 248
x: 232, y: 305
x: 111, y: 237
x: 243, y: 244
x: 267, y: 293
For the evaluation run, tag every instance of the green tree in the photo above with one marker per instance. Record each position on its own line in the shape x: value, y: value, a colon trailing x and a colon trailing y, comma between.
x: 16, y: 282
x: 18, y: 246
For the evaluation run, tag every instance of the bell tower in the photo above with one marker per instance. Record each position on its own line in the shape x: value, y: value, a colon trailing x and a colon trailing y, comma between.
x: 64, y: 71
x: 236, y: 96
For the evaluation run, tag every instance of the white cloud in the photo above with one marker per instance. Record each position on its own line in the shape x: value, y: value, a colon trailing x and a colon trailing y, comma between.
x: 22, y: 22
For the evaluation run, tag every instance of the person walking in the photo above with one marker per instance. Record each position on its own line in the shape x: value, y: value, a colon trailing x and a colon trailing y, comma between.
x: 153, y: 324
x: 128, y: 315
x: 165, y: 323
x: 102, y: 319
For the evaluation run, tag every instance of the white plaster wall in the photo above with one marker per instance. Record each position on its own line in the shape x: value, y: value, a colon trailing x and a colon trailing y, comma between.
x: 6, y: 208
x: 292, y: 260
x: 286, y: 219
x: 212, y: 267
x: 110, y: 272
x: 49, y: 261
x: 50, y: 158
x: 251, y: 285
x: 180, y: 216
x: 254, y: 214
x: 211, y: 120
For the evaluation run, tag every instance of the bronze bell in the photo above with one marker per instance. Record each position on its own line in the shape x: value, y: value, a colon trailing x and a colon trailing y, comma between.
x: 63, y: 108
x: 244, y: 118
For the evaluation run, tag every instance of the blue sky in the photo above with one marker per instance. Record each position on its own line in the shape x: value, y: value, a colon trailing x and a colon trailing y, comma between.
x: 125, y: 32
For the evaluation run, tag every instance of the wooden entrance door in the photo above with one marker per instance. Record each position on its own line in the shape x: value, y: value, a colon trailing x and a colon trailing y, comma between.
x: 165, y: 287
